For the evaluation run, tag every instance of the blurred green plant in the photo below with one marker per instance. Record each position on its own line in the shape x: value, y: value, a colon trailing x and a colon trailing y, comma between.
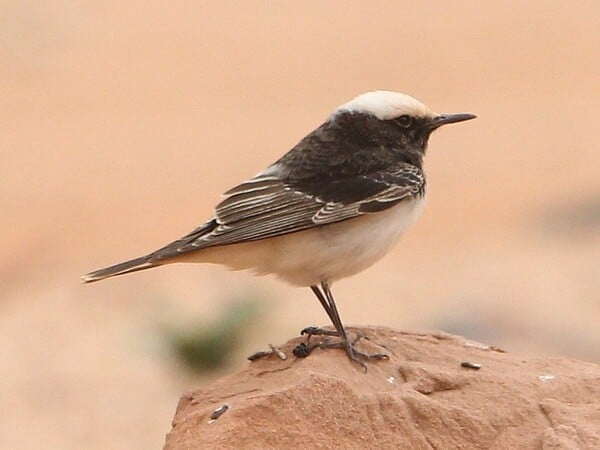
x: 205, y: 347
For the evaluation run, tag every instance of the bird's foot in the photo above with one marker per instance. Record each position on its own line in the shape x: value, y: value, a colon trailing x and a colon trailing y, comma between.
x: 304, y: 349
x: 316, y: 331
x: 354, y: 354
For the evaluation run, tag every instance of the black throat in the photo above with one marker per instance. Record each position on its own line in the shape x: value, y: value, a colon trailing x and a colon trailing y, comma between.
x: 355, y: 131
x: 352, y: 144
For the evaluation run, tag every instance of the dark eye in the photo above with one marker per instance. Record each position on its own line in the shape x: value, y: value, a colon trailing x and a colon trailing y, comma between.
x: 404, y: 121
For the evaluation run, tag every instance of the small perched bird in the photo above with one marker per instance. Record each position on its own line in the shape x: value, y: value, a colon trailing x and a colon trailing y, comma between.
x: 328, y: 209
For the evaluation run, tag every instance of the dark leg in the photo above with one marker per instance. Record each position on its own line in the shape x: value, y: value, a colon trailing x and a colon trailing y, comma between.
x: 323, y: 301
x: 315, y: 331
x: 337, y: 323
x: 328, y: 304
x: 335, y: 315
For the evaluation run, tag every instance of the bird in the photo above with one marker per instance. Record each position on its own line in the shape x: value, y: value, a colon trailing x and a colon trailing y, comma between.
x: 328, y: 209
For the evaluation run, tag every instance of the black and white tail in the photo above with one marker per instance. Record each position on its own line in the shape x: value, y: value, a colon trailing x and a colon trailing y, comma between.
x: 142, y: 263
x: 165, y: 255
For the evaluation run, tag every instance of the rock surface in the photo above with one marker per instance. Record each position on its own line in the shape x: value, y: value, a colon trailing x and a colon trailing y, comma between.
x: 422, y: 398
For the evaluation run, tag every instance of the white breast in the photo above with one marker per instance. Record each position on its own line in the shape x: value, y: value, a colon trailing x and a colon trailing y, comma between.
x: 325, y: 253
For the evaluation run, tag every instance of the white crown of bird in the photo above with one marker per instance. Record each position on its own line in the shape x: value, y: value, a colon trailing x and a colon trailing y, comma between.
x: 386, y: 105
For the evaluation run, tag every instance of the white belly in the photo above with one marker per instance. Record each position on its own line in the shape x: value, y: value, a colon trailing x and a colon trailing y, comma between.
x: 325, y: 253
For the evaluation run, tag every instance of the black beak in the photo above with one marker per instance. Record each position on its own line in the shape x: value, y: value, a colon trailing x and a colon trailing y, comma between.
x: 444, y: 119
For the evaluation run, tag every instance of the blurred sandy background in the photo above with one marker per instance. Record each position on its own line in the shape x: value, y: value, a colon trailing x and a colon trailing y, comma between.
x: 122, y: 122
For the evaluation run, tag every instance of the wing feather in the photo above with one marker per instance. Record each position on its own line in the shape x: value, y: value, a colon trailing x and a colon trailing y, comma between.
x: 266, y: 206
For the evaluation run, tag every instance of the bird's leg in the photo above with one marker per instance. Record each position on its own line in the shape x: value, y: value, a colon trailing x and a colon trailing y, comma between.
x: 341, y: 344
x: 304, y: 349
x: 337, y: 323
x: 319, y: 331
x: 328, y: 303
x: 316, y: 331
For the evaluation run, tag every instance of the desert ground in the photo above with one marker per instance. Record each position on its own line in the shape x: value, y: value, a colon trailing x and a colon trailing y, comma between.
x: 121, y: 124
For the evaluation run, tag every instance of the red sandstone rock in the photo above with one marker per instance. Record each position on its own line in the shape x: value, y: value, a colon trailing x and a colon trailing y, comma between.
x: 420, y: 399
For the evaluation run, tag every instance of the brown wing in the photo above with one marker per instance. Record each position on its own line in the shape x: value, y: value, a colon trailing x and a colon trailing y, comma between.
x: 265, y: 207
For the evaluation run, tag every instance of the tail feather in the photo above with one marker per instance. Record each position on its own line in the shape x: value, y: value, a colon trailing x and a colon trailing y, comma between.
x: 165, y: 255
x: 133, y: 265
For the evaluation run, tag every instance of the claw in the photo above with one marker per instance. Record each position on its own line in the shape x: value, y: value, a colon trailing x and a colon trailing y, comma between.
x: 304, y: 349
x: 326, y: 299
x: 316, y: 331
x: 301, y: 350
